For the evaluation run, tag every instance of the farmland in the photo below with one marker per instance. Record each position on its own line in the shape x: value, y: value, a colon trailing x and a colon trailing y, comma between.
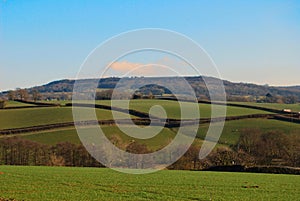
x: 70, y: 135
x: 230, y: 134
x: 61, y: 183
x: 279, y: 106
x: 172, y: 108
x: 16, y: 104
x: 75, y: 183
x: 17, y: 118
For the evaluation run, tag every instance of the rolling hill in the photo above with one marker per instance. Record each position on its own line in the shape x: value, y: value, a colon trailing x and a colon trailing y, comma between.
x: 233, y: 90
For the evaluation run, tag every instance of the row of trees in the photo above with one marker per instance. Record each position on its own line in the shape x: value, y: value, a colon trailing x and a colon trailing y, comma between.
x: 18, y: 151
x: 253, y: 148
x: 23, y: 94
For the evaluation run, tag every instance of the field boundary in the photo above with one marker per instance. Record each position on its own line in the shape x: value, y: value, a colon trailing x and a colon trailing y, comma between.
x: 32, y: 105
x: 255, y: 169
x: 168, y: 123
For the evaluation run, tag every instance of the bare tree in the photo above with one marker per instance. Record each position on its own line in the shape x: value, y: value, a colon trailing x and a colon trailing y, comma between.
x: 35, y: 95
x: 2, y: 104
x: 22, y: 94
x: 11, y: 95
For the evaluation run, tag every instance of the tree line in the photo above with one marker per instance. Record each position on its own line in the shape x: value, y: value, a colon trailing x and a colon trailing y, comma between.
x: 254, y: 148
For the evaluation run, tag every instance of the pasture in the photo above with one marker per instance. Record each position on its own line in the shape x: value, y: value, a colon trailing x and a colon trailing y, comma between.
x: 229, y: 136
x: 70, y: 135
x: 232, y: 129
x: 87, y: 184
x: 16, y: 104
x: 172, y: 108
x: 278, y: 106
x: 17, y: 118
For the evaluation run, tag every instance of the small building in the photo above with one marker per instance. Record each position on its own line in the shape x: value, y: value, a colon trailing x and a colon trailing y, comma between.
x: 287, y: 110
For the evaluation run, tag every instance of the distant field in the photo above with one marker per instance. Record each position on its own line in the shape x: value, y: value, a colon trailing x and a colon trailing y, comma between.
x: 230, y: 134
x: 70, y: 135
x: 278, y: 106
x: 17, y: 118
x: 173, y: 108
x: 87, y: 184
x: 38, y: 116
x: 232, y: 129
x: 16, y: 104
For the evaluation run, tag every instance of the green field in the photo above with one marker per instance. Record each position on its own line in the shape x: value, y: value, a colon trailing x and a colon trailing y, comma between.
x: 172, y: 108
x: 70, y: 135
x: 278, y: 106
x: 134, y: 104
x: 233, y: 129
x: 62, y: 183
x: 16, y: 104
x: 230, y: 134
x: 17, y: 118
x: 39, y: 116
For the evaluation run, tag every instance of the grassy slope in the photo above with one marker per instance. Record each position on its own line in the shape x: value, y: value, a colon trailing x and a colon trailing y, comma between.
x: 85, y: 184
x: 16, y: 104
x: 173, y: 110
x: 293, y: 107
x: 279, y: 106
x: 232, y: 129
x: 70, y: 135
x: 38, y: 116
x: 230, y: 134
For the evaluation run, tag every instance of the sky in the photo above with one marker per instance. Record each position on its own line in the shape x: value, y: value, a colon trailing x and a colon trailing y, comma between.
x: 250, y: 41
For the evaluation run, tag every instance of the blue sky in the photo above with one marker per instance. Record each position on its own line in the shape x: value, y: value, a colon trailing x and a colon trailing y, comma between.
x: 250, y: 41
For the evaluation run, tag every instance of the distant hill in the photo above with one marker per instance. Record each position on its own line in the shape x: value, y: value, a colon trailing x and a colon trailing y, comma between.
x: 234, y: 91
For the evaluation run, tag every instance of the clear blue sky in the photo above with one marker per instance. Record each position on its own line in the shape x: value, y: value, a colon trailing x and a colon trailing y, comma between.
x: 250, y: 41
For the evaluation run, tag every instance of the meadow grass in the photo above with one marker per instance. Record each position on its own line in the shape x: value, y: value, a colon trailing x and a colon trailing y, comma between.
x: 38, y: 116
x: 279, y: 106
x: 18, y: 118
x: 172, y: 108
x: 16, y: 104
x: 87, y: 184
x: 163, y: 138
x: 230, y: 134
x: 232, y: 129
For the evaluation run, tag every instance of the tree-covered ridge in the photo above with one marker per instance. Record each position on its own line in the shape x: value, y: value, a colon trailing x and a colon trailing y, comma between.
x: 62, y: 89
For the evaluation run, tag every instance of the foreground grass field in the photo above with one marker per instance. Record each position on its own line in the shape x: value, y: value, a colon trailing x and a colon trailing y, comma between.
x: 61, y: 183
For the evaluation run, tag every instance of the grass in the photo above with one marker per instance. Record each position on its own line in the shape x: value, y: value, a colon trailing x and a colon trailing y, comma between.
x: 230, y: 134
x: 88, y: 184
x: 232, y: 129
x: 172, y: 108
x: 278, y: 106
x: 38, y: 116
x: 16, y: 104
x: 50, y: 115
x: 53, y: 137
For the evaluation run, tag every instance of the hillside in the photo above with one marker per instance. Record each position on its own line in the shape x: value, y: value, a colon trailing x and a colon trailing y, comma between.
x: 234, y: 91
